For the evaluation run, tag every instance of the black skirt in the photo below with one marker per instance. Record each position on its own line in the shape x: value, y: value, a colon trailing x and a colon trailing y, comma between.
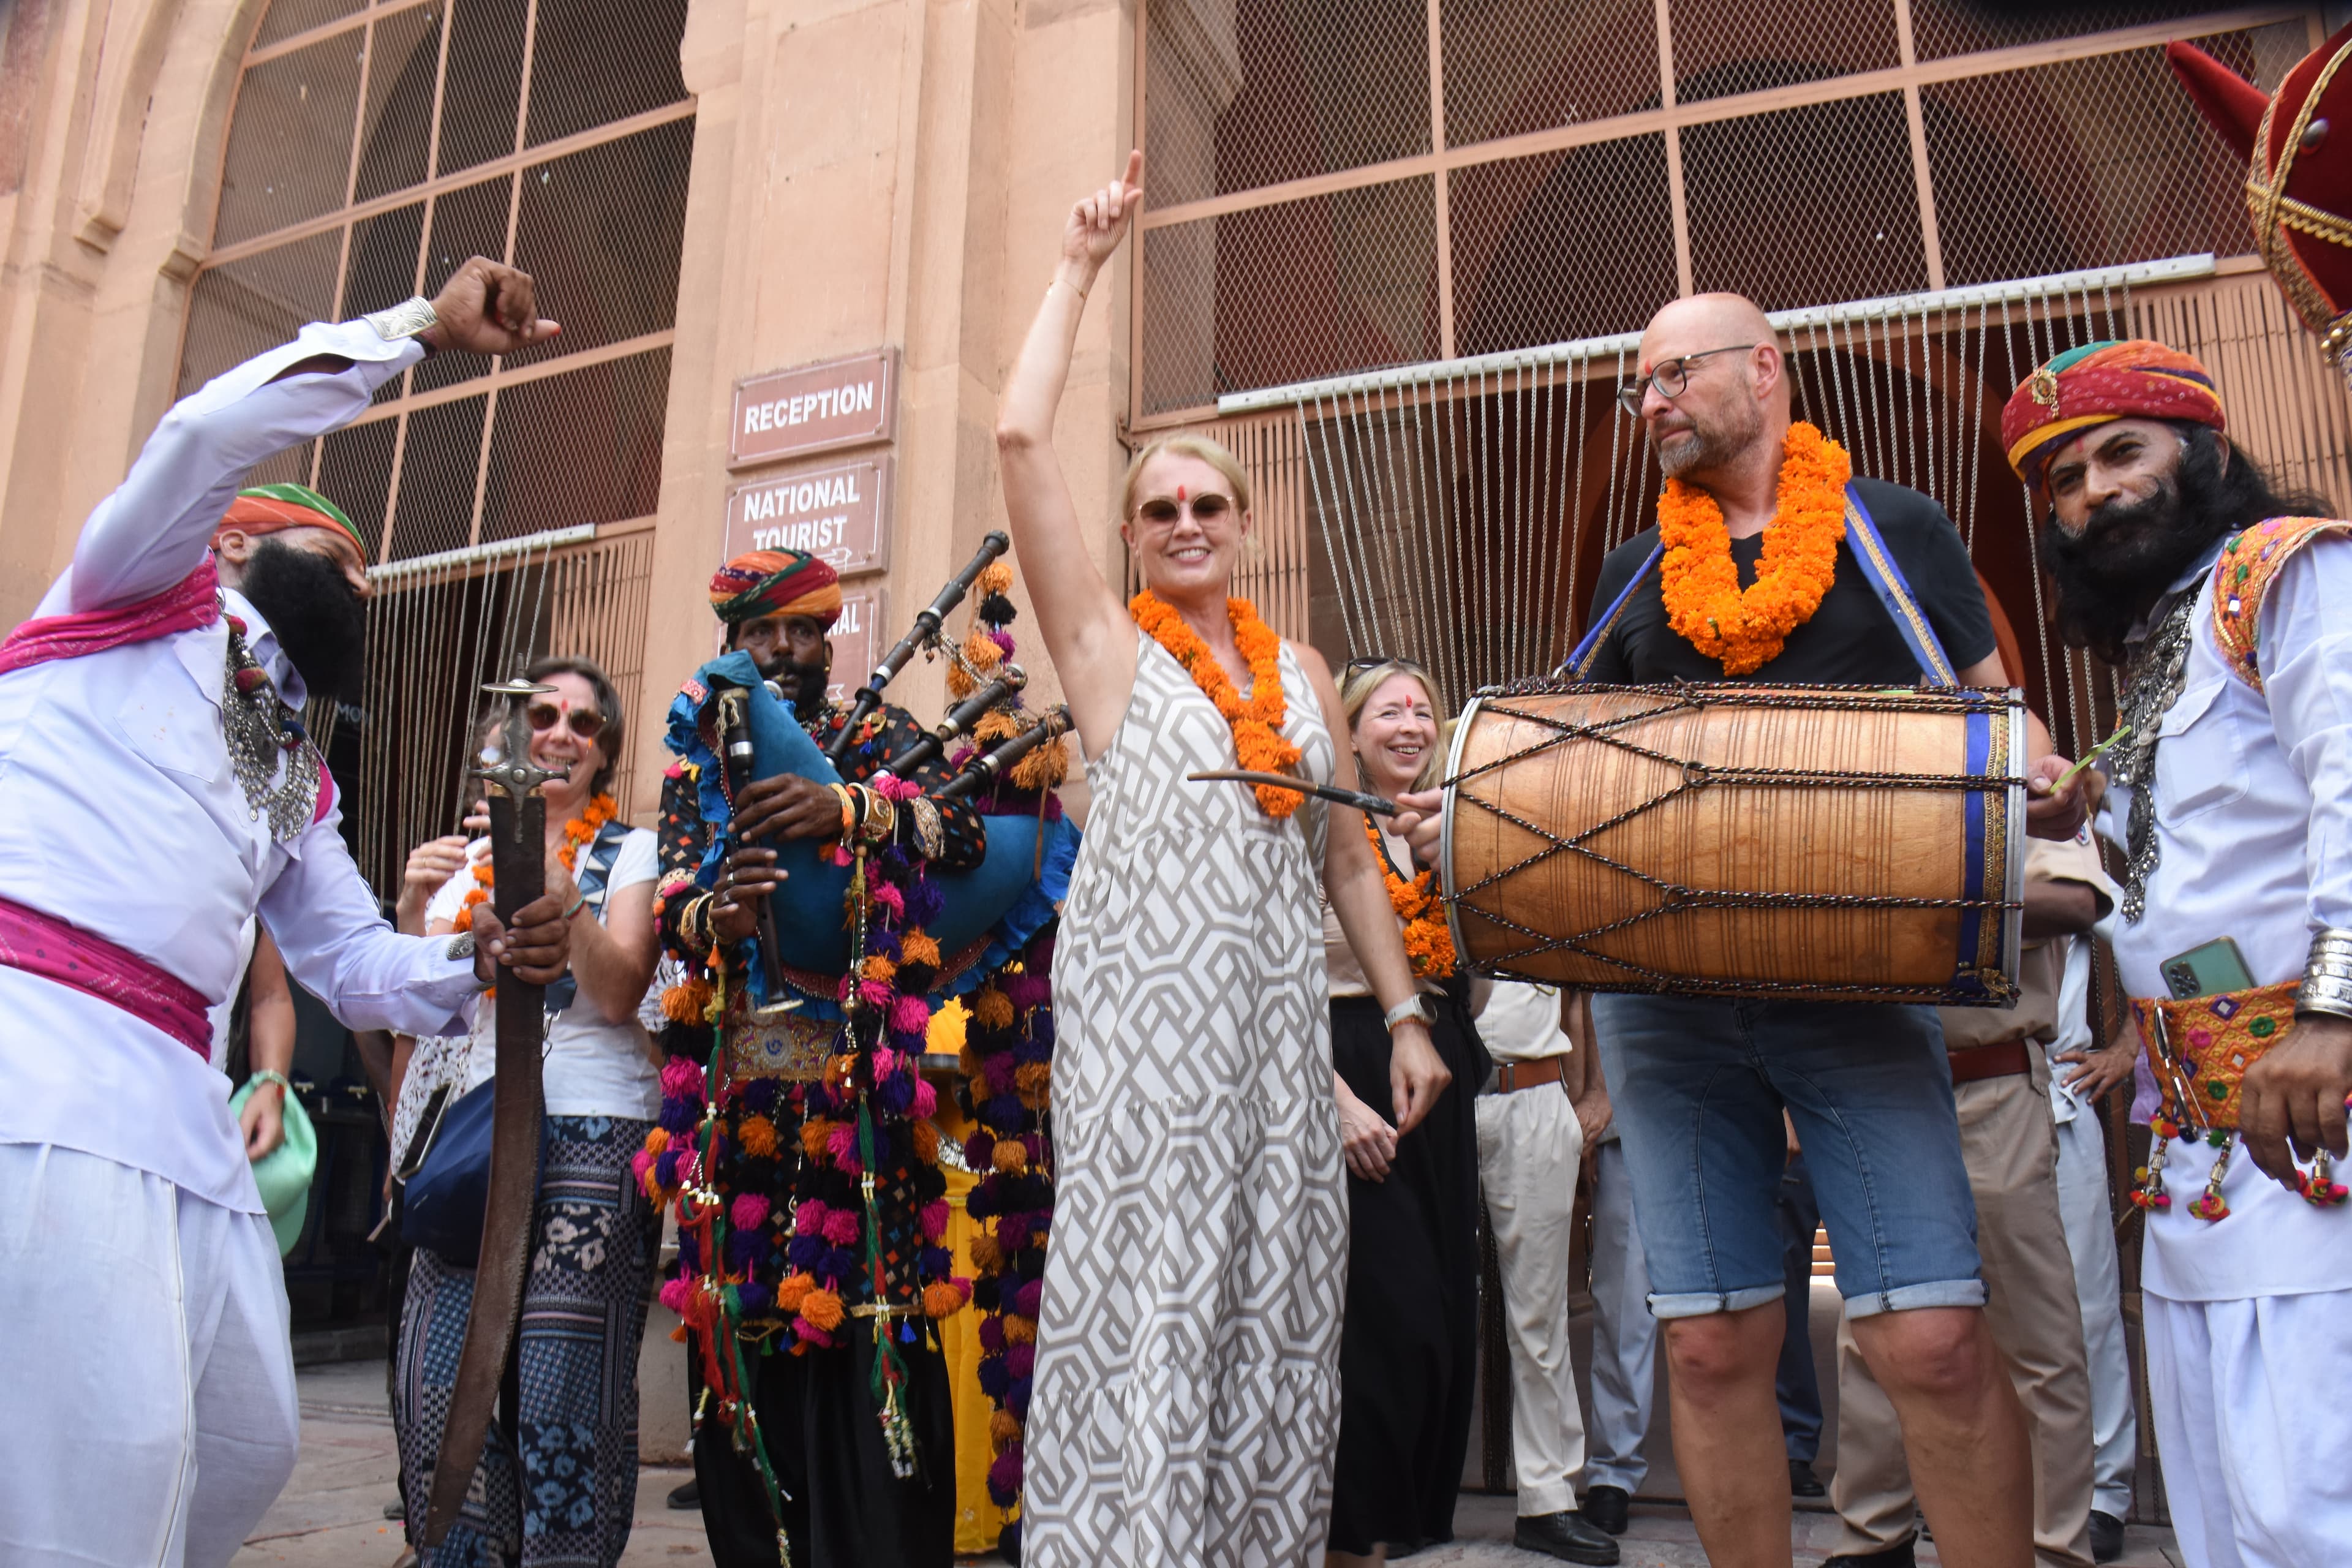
x: 1409, y: 1348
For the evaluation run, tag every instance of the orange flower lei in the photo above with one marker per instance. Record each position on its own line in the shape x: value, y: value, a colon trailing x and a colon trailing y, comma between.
x: 576, y: 832
x: 1746, y: 629
x: 1428, y: 941
x: 1256, y: 721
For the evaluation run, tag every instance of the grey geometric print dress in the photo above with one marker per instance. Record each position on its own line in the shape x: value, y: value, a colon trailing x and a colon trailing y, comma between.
x: 1186, y: 1402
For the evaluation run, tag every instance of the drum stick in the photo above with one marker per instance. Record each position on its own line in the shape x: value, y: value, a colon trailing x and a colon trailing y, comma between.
x: 2092, y: 755
x: 1378, y: 805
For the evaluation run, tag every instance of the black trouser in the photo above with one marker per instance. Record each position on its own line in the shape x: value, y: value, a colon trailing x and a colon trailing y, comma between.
x: 844, y: 1507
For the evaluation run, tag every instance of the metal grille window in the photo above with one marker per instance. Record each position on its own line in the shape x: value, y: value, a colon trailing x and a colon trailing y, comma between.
x: 1339, y: 186
x: 371, y: 151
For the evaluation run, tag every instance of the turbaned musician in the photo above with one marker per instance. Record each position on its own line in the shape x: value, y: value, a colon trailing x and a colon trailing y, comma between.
x: 848, y: 1476
x: 2231, y: 796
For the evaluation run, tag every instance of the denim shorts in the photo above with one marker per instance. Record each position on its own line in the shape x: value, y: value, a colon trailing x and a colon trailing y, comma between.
x: 1699, y: 1086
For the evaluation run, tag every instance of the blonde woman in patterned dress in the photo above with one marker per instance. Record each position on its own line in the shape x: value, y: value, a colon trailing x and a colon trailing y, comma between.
x: 1186, y: 1401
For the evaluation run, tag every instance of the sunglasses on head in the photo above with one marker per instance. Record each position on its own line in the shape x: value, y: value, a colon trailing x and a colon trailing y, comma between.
x: 1161, y: 512
x: 586, y: 722
x: 1356, y: 667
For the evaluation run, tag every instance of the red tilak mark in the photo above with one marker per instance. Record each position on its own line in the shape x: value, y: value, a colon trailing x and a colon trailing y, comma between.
x: 1179, y: 494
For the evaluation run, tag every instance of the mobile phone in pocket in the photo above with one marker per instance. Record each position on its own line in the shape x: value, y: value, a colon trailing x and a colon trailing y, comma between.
x: 2207, y: 970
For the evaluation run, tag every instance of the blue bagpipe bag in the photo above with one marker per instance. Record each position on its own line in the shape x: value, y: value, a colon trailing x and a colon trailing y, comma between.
x: 1002, y: 902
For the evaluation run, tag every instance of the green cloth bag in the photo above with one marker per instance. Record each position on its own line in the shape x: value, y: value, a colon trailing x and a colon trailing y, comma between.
x: 284, y: 1173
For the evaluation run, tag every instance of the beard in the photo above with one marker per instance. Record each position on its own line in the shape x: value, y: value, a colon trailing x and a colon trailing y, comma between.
x: 802, y: 684
x: 320, y: 619
x: 1710, y: 444
x: 2112, y: 573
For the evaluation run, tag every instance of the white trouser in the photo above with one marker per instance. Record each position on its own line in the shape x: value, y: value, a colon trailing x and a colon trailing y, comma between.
x: 2090, y: 1238
x: 1528, y: 1147
x: 2252, y: 1424
x: 146, y: 1376
x: 1625, y: 1335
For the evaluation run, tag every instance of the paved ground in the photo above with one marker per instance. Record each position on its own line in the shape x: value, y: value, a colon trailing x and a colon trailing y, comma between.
x: 331, y: 1514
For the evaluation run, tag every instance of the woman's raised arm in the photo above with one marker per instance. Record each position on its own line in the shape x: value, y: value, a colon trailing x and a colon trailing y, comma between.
x: 1088, y: 632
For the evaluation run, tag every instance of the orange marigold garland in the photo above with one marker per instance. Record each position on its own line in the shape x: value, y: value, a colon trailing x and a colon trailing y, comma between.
x: 1428, y: 941
x: 1256, y: 721
x: 1745, y: 628
x: 576, y: 832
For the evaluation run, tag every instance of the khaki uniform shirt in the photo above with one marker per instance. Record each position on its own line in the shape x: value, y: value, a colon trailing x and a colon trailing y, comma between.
x: 2042, y: 968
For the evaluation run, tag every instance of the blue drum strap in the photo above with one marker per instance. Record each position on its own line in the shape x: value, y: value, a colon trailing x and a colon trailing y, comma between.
x: 1579, y: 661
x: 1885, y: 580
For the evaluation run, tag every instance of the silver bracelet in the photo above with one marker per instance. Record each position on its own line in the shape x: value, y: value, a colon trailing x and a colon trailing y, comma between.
x: 2326, y: 986
x: 1414, y: 1008
x: 408, y: 319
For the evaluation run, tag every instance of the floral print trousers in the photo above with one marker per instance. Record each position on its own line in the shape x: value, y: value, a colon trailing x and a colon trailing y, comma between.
x: 559, y: 1491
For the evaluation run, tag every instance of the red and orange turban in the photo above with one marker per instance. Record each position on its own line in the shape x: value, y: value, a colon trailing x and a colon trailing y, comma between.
x: 2097, y: 385
x: 268, y: 509
x: 776, y: 583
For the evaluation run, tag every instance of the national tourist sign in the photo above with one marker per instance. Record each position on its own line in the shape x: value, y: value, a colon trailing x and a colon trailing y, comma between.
x: 856, y: 639
x: 851, y: 402
x: 839, y: 513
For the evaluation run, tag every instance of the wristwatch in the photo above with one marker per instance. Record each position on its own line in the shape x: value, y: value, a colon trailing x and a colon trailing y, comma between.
x: 1416, y: 1009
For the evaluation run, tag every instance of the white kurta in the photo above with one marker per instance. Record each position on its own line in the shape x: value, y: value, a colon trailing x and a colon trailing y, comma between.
x: 141, y: 1301
x: 2253, y: 826
x: 2245, y: 1317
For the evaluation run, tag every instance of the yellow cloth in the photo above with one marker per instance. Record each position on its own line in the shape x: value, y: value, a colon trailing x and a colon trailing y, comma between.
x: 978, y: 1519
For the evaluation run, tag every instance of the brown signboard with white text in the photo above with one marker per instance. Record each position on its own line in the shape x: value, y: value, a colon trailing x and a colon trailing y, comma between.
x: 839, y: 513
x: 850, y: 402
x: 857, y: 641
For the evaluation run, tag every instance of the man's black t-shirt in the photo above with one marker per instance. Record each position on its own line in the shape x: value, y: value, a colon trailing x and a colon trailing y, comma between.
x: 1850, y: 640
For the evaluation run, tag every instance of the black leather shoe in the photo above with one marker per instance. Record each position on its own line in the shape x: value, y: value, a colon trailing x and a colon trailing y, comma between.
x: 2107, y: 1537
x: 1567, y: 1536
x: 1900, y: 1556
x: 1605, y: 1507
x: 1802, y: 1482
x: 688, y: 1496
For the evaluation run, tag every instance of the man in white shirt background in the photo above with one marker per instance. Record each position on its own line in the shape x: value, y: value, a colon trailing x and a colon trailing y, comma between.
x: 156, y: 792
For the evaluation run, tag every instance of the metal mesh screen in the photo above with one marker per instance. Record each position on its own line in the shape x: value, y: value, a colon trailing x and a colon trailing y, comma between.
x: 1291, y: 291
x: 2044, y: 139
x: 290, y: 143
x: 310, y: 229
x: 1806, y: 206
x: 1727, y: 46
x: 1261, y: 91
x: 2130, y: 172
x: 1945, y: 28
x: 1516, y: 66
x: 1561, y: 245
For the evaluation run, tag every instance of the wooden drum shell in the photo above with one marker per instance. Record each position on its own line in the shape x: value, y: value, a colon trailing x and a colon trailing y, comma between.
x: 1523, y: 905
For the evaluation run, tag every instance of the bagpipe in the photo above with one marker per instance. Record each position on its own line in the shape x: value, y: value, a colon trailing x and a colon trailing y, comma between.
x: 738, y: 728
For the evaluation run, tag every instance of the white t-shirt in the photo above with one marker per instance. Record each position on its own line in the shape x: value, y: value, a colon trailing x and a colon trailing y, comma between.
x: 593, y: 1068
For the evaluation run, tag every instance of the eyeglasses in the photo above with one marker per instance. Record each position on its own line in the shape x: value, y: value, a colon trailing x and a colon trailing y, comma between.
x: 1207, y: 507
x: 586, y: 722
x: 1672, y: 378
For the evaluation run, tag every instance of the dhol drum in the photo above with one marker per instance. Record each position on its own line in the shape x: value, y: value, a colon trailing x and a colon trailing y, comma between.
x: 1828, y: 843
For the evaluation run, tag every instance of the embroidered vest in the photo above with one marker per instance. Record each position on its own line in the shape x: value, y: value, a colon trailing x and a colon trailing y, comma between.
x: 2248, y: 564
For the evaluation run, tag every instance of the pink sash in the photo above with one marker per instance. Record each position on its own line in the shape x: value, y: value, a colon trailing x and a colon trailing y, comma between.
x: 194, y: 602
x: 43, y: 944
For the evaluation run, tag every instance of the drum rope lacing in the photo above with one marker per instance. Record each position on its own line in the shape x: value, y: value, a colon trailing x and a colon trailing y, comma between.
x: 1687, y: 697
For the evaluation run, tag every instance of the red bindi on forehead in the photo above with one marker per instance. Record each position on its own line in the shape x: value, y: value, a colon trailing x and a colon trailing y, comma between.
x: 1179, y: 493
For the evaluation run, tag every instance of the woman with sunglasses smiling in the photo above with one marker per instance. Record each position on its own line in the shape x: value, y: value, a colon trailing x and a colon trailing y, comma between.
x: 1185, y: 1406
x: 564, y: 1488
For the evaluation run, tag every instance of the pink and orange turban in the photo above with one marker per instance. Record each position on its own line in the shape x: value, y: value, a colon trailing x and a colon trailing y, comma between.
x: 269, y: 509
x: 2097, y: 385
x: 776, y: 583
